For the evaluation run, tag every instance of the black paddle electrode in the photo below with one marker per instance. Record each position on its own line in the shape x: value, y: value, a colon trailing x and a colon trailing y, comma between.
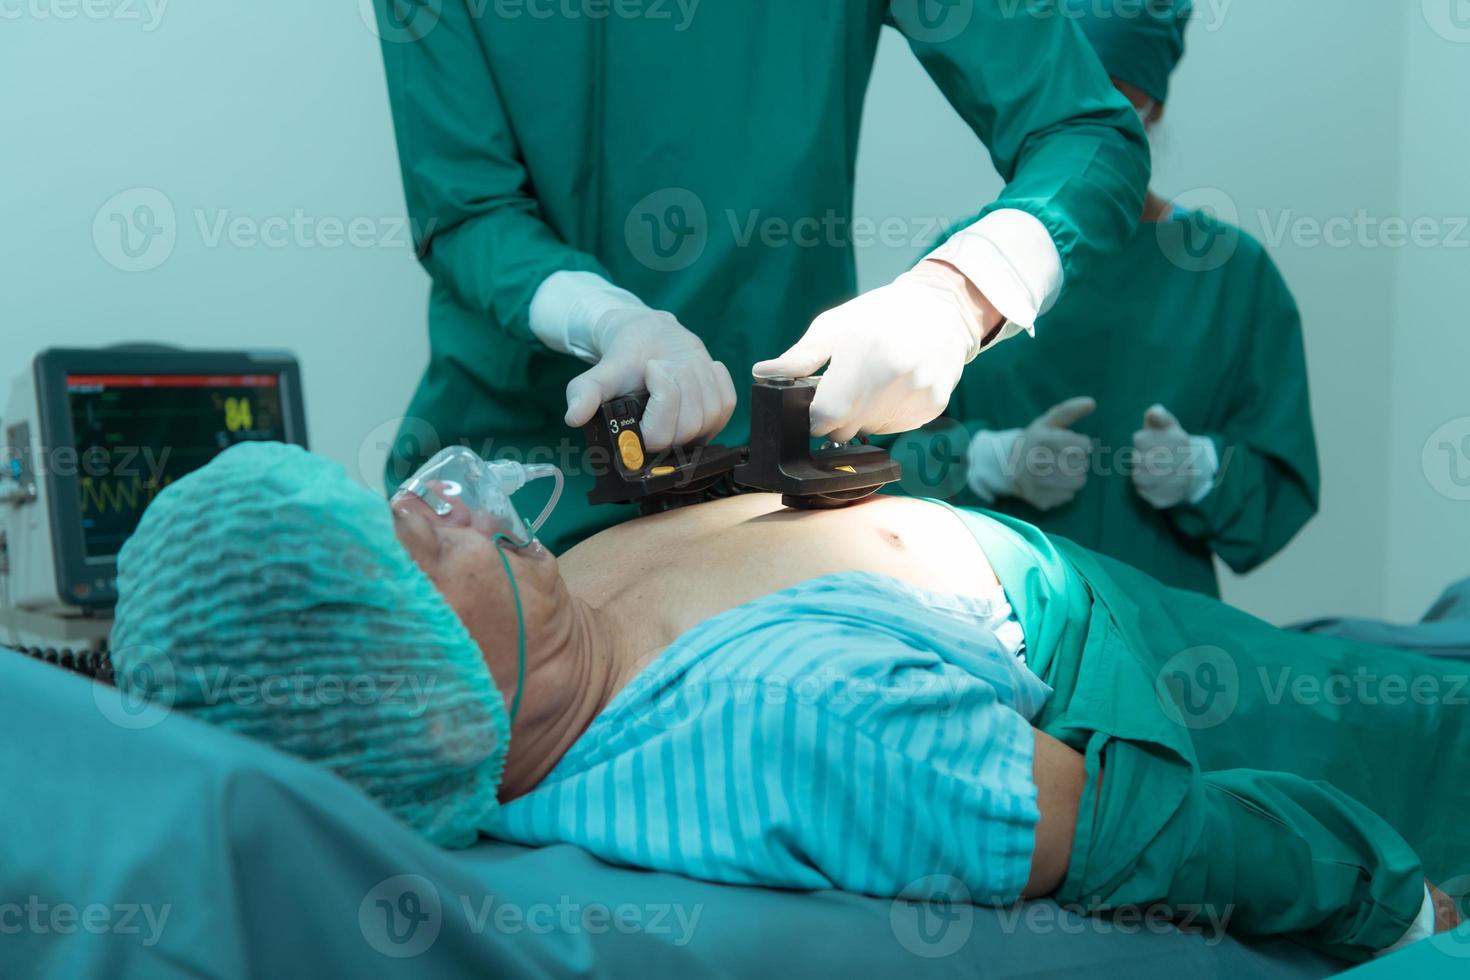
x: 625, y: 472
x: 780, y: 458
x: 783, y: 461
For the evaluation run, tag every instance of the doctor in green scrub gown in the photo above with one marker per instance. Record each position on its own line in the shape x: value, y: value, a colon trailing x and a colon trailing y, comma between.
x: 1160, y: 415
x: 657, y: 195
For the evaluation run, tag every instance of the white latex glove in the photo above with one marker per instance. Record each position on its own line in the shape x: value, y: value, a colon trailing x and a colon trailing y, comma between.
x: 893, y: 355
x: 1044, y: 464
x: 691, y: 396
x: 1170, y: 466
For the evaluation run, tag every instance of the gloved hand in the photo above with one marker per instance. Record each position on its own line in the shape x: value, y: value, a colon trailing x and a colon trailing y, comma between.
x: 1044, y: 464
x: 690, y: 395
x: 893, y: 355
x: 1170, y: 466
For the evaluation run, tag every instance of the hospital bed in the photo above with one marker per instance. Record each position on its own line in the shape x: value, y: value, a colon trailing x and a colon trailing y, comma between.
x: 139, y: 843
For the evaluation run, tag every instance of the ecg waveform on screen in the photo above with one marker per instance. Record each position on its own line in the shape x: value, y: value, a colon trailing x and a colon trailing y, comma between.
x: 128, y: 495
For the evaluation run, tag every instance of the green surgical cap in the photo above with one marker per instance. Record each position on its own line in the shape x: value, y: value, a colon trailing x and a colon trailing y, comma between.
x: 1139, y: 41
x: 266, y: 593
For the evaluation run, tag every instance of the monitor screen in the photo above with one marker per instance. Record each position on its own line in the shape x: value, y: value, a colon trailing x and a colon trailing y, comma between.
x: 137, y: 433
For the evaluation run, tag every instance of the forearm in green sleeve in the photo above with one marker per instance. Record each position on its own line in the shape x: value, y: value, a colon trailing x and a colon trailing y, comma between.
x: 1289, y: 855
x: 479, y: 231
x: 1070, y: 148
x: 1085, y: 180
x: 1259, y: 853
x: 495, y: 261
x: 1257, y: 505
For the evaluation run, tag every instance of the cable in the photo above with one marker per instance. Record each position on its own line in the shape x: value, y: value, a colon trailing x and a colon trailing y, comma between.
x: 515, y: 702
x: 94, y: 665
x: 5, y: 586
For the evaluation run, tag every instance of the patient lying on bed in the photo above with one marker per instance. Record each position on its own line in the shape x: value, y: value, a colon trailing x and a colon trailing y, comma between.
x: 749, y: 694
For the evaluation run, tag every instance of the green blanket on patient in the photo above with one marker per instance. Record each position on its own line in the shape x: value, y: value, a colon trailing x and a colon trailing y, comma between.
x: 1298, y: 783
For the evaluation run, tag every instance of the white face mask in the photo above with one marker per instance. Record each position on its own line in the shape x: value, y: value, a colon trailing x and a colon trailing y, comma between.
x: 1146, y: 111
x: 482, y: 490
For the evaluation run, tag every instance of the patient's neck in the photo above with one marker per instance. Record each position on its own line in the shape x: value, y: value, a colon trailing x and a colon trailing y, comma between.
x: 574, y: 666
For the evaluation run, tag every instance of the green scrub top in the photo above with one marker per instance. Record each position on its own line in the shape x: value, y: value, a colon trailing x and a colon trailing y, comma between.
x: 1191, y: 313
x: 706, y: 163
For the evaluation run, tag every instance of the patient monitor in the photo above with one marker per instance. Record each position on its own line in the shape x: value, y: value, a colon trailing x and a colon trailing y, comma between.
x: 90, y: 438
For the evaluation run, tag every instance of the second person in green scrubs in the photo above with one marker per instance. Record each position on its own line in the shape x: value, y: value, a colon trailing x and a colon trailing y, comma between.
x: 1161, y: 414
x: 664, y: 192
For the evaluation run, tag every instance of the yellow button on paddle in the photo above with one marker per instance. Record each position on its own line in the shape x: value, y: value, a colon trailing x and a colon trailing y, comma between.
x: 630, y: 447
x: 845, y: 469
x: 661, y: 470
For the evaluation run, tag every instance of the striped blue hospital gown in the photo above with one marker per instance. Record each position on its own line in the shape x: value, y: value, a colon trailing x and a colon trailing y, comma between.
x: 850, y: 732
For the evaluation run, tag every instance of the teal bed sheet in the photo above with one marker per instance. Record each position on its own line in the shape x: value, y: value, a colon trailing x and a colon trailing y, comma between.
x: 139, y: 844
x: 1442, y: 957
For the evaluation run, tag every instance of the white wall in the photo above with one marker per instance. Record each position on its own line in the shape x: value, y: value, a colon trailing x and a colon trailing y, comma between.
x: 1290, y: 109
x: 242, y: 110
x: 259, y: 110
x: 1429, y: 448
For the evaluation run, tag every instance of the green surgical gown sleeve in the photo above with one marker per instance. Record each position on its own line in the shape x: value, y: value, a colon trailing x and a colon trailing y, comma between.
x: 1268, y: 482
x: 478, y: 227
x: 1269, y: 852
x: 1068, y: 145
